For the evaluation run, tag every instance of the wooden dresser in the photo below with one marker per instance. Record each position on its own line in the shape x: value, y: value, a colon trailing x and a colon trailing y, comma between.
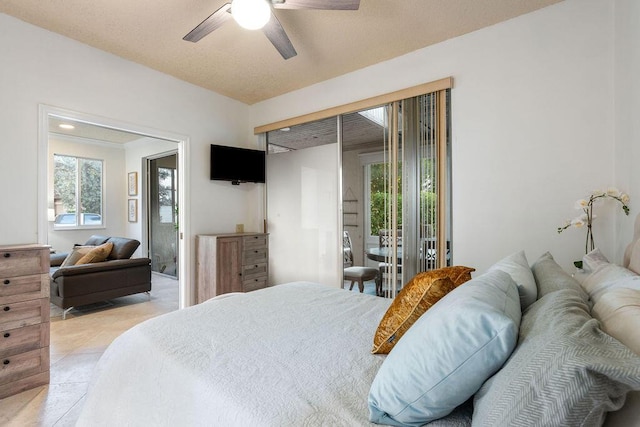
x: 226, y: 263
x: 24, y: 318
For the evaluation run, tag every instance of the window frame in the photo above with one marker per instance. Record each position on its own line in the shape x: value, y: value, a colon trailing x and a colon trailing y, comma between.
x: 78, y: 186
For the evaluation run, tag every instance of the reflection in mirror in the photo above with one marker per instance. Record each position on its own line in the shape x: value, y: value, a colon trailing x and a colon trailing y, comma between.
x: 302, y: 202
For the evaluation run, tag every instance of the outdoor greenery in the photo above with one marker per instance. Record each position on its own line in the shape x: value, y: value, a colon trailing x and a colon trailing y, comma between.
x: 65, y: 181
x: 380, y: 199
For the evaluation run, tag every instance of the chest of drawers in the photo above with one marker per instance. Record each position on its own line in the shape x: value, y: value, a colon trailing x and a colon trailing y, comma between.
x: 231, y: 263
x: 24, y: 318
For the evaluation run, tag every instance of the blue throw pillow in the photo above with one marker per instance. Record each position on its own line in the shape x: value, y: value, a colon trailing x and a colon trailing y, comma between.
x: 448, y: 353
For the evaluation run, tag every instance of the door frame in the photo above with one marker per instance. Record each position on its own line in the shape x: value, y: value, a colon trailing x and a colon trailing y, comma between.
x: 145, y: 184
x: 44, y: 111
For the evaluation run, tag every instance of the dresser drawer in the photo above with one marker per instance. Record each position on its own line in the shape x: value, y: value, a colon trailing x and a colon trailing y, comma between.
x: 25, y: 313
x: 19, y: 340
x: 254, y: 256
x: 252, y: 271
x: 254, y: 284
x: 22, y: 365
x: 254, y: 242
x: 22, y: 288
x: 20, y: 262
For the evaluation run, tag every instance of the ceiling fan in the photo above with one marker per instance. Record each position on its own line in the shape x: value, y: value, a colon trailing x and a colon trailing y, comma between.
x: 258, y: 14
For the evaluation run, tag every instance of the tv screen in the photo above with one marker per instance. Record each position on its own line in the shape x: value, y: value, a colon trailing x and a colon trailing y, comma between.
x: 237, y: 164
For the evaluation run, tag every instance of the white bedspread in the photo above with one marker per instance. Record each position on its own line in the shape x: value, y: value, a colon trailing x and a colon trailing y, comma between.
x: 292, y: 355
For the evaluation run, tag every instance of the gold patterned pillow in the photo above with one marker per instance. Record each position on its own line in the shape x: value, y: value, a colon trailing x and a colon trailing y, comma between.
x: 97, y: 254
x: 416, y: 297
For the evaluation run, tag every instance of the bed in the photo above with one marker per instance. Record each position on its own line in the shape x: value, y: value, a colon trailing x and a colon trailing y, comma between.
x: 299, y: 354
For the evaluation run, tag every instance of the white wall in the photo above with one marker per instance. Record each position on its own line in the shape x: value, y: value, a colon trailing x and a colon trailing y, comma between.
x: 353, y: 187
x: 40, y: 67
x: 532, y: 125
x: 627, y: 110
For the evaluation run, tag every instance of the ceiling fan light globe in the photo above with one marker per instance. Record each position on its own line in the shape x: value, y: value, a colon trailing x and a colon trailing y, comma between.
x: 251, y: 14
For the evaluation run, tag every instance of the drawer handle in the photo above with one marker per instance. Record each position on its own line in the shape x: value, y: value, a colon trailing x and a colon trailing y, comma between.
x: 7, y: 308
x: 7, y: 255
x: 7, y: 335
x: 7, y: 281
x: 6, y: 361
x: 255, y: 251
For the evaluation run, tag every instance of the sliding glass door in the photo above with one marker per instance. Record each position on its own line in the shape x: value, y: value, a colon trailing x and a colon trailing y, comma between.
x: 377, y: 170
x: 302, y: 202
x: 405, y: 188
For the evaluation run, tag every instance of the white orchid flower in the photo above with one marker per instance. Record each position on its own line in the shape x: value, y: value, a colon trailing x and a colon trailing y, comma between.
x: 578, y: 222
x: 581, y: 204
x: 613, y: 192
x: 624, y: 197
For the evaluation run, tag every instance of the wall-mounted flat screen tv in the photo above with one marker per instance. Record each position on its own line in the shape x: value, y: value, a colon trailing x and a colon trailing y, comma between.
x: 237, y: 164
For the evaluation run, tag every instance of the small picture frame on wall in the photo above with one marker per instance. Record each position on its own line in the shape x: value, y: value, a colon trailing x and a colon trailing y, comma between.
x: 133, y: 210
x: 133, y: 183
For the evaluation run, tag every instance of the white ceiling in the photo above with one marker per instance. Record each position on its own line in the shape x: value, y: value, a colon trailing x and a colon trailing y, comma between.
x: 88, y: 131
x: 243, y: 64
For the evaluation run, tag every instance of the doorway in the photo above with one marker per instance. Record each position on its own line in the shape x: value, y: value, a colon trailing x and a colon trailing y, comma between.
x: 115, y: 222
x: 163, y: 213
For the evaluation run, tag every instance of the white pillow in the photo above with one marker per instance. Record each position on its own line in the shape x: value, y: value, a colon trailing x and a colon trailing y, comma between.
x: 634, y: 259
x: 517, y: 266
x: 603, y: 278
x: 619, y: 313
x: 593, y: 260
x: 590, y: 263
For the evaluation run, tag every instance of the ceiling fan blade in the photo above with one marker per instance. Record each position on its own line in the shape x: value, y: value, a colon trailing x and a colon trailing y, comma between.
x: 317, y: 4
x: 213, y: 22
x: 276, y: 35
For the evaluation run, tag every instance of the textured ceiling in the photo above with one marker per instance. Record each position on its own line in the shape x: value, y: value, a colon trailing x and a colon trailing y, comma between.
x: 243, y: 64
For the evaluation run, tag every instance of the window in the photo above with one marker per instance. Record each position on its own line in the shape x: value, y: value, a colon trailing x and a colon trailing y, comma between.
x: 167, y: 191
x: 78, y: 192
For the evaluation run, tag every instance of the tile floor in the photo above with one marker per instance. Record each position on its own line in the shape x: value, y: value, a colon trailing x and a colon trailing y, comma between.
x: 76, y: 345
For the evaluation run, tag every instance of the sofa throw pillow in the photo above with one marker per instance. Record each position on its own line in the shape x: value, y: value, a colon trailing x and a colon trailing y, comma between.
x: 416, y: 297
x: 517, y: 266
x: 550, y: 277
x: 564, y: 372
x: 76, y: 253
x: 97, y: 254
x: 444, y: 358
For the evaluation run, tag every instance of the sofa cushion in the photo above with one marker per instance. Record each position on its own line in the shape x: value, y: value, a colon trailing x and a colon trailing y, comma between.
x: 96, y: 240
x: 97, y: 254
x: 123, y: 247
x: 448, y: 353
x: 564, y: 371
x: 416, y: 297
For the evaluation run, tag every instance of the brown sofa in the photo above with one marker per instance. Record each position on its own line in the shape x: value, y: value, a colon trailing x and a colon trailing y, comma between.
x: 118, y: 276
